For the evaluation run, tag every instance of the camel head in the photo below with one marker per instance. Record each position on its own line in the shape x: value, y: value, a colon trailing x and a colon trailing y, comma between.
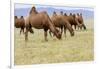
x: 72, y: 34
x: 58, y: 35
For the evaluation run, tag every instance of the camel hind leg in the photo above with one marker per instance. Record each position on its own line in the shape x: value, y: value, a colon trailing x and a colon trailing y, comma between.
x: 23, y: 30
x: 75, y: 27
x: 20, y: 31
x: 26, y: 34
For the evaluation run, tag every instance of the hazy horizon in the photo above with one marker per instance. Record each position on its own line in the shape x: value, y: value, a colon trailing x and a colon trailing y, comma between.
x: 23, y: 10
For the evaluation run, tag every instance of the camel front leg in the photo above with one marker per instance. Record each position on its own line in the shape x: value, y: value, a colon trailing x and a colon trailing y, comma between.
x: 61, y: 30
x: 75, y: 27
x: 50, y: 33
x: 45, y: 34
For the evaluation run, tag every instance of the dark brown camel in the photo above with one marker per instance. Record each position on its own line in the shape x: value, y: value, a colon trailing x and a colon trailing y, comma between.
x: 20, y: 23
x: 80, y: 20
x: 61, y: 22
x: 40, y: 21
x: 73, y: 20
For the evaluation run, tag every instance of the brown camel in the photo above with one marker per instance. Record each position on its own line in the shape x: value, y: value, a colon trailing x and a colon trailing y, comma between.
x: 81, y: 21
x: 20, y: 23
x: 61, y: 22
x: 40, y: 20
x: 73, y: 20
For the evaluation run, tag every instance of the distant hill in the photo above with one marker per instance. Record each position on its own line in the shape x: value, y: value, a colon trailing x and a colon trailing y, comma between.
x: 87, y: 14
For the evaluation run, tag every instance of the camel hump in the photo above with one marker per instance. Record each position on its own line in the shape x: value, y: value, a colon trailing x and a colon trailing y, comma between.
x: 15, y: 16
x: 33, y: 7
x: 33, y: 10
x: 77, y: 14
x: 65, y: 14
x: 54, y: 13
x: 80, y: 14
x: 70, y: 14
x: 61, y: 12
x: 21, y: 17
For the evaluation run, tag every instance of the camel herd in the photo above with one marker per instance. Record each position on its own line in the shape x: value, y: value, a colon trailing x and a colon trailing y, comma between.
x: 56, y: 24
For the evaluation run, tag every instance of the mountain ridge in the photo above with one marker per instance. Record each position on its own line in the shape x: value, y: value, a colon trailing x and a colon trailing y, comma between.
x: 24, y: 11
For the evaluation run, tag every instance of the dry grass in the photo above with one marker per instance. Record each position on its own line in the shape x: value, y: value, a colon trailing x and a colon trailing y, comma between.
x: 69, y: 49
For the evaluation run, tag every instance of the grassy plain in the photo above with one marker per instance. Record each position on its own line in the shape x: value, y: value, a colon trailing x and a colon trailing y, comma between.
x: 69, y: 49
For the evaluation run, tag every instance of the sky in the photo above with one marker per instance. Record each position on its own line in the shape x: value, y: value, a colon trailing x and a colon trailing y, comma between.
x: 56, y: 7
